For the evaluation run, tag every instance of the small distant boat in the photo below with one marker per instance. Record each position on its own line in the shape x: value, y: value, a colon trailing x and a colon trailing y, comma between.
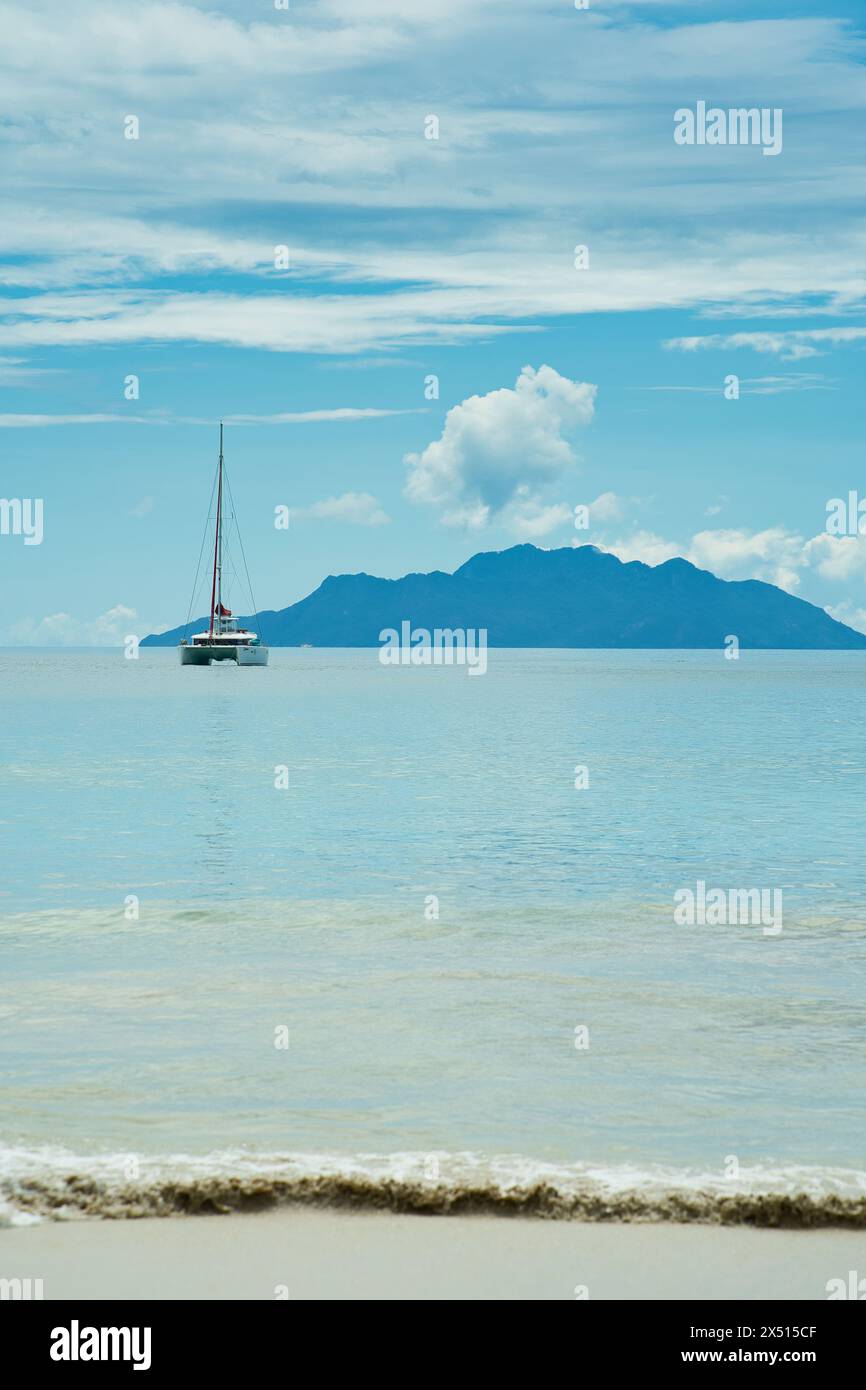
x: 223, y: 640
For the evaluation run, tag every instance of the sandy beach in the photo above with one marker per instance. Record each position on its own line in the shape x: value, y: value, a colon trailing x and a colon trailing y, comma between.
x: 315, y: 1254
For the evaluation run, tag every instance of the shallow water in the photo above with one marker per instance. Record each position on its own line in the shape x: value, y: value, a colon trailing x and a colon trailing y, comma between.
x: 445, y: 1043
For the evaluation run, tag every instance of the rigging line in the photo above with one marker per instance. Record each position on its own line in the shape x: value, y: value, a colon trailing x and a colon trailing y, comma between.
x: 244, y: 558
x: 230, y: 568
x: 233, y: 575
x: 198, y: 566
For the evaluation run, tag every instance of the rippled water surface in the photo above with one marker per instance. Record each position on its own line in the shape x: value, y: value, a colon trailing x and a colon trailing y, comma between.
x: 141, y: 786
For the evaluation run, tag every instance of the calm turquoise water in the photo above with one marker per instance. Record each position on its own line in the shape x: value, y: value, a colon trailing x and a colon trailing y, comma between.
x: 304, y: 908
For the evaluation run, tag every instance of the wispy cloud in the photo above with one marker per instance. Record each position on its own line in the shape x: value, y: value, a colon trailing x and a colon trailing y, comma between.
x: 758, y: 385
x: 306, y: 417
x: 14, y: 371
x: 791, y: 344
x: 289, y: 417
x: 252, y: 145
x: 21, y: 422
x: 314, y: 324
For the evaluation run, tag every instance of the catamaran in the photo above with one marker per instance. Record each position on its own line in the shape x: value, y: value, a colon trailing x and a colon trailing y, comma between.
x: 223, y: 640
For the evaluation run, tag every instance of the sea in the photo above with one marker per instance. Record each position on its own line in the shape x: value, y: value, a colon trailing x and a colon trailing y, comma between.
x: 414, y: 939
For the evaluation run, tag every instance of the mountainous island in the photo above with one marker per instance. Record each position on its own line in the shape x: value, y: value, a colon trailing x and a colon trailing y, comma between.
x: 573, y: 597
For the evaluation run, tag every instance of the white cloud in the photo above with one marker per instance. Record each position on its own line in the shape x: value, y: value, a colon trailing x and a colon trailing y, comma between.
x: 645, y: 546
x: 24, y: 422
x: 500, y: 449
x: 531, y: 520
x: 458, y: 296
x: 296, y: 323
x: 355, y: 508
x: 175, y: 42
x: 755, y: 385
x: 781, y: 385
x: 250, y: 120
x: 295, y: 417
x: 849, y: 614
x: 789, y: 344
x: 307, y: 417
x: 837, y: 557
x: 62, y: 630
x: 774, y: 554
x: 15, y: 372
x: 606, y: 507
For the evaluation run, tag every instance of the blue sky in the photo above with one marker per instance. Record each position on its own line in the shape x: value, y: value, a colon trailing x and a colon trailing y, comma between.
x: 558, y: 386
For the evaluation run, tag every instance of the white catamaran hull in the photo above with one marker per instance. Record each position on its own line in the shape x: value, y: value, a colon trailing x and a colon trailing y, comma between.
x: 203, y: 654
x: 252, y: 656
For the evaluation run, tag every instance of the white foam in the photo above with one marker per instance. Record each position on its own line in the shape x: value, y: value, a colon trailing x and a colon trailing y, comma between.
x: 120, y: 1173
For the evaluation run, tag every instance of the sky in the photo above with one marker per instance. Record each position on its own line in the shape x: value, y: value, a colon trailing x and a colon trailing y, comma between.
x: 349, y: 229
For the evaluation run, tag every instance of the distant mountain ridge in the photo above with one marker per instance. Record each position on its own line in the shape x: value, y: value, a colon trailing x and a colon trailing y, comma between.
x: 578, y: 596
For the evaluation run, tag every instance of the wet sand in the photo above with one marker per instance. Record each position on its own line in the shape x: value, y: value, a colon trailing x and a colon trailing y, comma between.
x: 318, y: 1254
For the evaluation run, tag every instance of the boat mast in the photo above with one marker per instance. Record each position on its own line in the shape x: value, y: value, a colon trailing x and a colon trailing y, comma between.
x: 220, y: 540
x: 216, y: 587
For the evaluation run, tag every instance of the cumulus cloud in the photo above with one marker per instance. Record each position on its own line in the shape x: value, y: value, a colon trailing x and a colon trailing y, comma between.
x: 837, y: 557
x: 849, y: 614
x: 606, y: 507
x: 645, y: 546
x: 63, y: 630
x: 497, y: 451
x: 356, y: 508
x: 530, y: 520
x: 774, y: 554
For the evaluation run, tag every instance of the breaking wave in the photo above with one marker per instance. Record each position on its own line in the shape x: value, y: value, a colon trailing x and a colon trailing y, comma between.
x: 48, y: 1183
